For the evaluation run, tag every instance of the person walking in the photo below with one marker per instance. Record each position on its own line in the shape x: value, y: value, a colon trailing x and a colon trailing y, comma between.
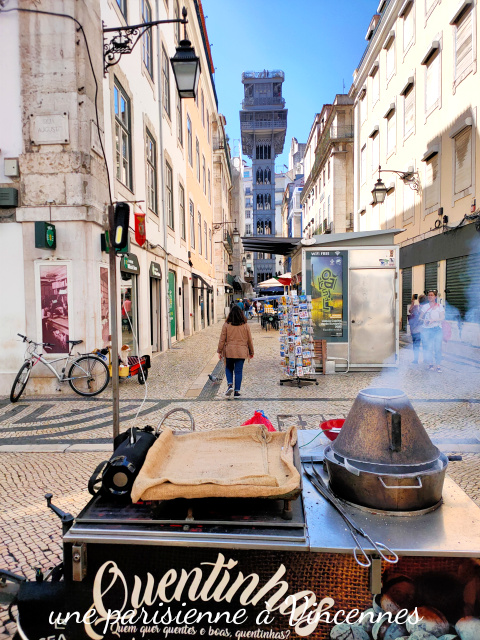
x: 432, y: 315
x: 246, y: 306
x: 415, y: 327
x: 235, y: 346
x: 240, y: 304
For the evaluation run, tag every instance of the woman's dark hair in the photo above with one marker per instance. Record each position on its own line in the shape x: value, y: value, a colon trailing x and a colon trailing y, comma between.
x: 236, y: 316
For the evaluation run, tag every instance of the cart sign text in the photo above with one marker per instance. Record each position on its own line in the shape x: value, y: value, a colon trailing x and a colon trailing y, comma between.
x: 185, y: 603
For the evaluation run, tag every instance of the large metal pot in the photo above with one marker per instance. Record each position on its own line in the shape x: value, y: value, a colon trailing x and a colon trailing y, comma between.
x: 383, y: 457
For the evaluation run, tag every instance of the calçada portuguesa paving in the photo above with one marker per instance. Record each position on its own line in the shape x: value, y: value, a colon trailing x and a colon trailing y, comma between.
x: 53, y: 443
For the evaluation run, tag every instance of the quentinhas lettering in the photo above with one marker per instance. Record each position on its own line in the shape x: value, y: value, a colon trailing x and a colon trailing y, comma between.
x: 210, y: 582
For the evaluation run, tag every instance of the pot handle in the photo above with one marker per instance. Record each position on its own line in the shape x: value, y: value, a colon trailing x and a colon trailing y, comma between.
x: 416, y: 486
x: 396, y: 430
x: 351, y: 468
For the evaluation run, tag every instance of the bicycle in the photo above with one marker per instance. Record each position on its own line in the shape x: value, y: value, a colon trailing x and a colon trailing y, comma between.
x: 88, y: 374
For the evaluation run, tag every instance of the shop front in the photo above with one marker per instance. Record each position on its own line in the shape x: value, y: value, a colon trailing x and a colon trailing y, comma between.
x: 155, y: 306
x: 129, y: 292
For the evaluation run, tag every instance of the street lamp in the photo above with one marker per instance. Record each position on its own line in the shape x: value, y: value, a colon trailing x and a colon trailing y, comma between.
x: 185, y: 64
x: 379, y: 191
x: 236, y: 235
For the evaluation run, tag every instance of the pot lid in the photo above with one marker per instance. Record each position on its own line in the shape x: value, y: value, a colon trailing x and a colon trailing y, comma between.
x: 382, y: 427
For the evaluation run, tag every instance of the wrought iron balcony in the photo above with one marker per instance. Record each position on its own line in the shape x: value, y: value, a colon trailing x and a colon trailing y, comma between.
x: 263, y: 102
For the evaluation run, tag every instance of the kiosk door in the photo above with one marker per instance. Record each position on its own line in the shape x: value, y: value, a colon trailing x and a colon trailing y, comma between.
x: 372, y: 316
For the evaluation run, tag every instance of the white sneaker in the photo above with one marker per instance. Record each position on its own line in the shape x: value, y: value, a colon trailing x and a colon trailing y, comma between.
x: 229, y: 390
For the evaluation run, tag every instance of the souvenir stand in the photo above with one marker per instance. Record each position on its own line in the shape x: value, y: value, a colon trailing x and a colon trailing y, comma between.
x: 296, y: 339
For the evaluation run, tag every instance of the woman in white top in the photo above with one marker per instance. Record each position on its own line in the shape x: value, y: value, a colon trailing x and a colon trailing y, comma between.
x: 432, y: 315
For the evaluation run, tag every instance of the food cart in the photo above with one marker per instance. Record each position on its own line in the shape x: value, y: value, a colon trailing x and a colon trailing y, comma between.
x: 258, y: 568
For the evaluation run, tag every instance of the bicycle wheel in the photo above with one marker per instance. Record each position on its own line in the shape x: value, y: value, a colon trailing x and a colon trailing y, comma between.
x: 20, y: 381
x: 88, y: 376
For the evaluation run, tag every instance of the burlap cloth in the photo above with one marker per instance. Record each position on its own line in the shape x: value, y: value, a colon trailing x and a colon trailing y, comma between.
x: 241, y: 462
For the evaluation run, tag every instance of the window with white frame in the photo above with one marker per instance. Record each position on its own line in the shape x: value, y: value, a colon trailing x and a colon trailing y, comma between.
x: 123, y: 142
x: 151, y: 157
x: 408, y: 27
x: 363, y: 164
x: 205, y: 237
x: 391, y: 132
x: 464, y: 35
x: 197, y: 157
x: 166, y: 81
x: 390, y: 59
x: 122, y: 4
x: 432, y: 182
x: 248, y: 214
x: 211, y: 245
x: 408, y: 111
x: 375, y: 151
x: 204, y: 175
x: 176, y: 15
x: 463, y: 160
x: 363, y: 108
x: 203, y: 109
x: 147, y: 51
x: 169, y: 195
x: 189, y: 141
x: 181, y: 206
x: 199, y: 232
x: 179, y: 119
x: 432, y: 82
x: 408, y: 203
x: 375, y: 85
x: 192, y: 224
x: 248, y: 229
x: 209, y: 186
x: 208, y: 126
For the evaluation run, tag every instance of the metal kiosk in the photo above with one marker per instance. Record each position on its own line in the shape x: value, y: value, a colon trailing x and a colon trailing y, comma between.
x: 353, y: 281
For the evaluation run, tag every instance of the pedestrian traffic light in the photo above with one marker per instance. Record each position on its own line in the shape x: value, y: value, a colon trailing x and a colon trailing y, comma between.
x: 121, y: 220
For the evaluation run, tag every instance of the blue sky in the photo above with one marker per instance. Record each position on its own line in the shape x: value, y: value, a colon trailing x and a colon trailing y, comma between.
x: 317, y: 43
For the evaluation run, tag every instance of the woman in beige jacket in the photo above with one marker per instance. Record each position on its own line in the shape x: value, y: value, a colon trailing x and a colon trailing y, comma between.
x: 235, y: 345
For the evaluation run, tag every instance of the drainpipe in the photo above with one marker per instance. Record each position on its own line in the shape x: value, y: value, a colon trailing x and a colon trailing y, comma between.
x: 162, y: 163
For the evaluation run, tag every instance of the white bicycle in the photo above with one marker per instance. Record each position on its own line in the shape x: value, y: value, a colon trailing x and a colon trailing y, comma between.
x: 88, y: 374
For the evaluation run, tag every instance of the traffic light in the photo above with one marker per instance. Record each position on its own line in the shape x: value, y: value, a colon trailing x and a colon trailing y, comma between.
x: 121, y: 220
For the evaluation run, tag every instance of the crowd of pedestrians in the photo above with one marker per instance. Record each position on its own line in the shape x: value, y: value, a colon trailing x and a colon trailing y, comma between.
x: 426, y: 319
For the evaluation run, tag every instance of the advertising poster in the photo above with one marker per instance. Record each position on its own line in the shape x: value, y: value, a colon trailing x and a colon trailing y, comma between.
x: 104, y: 305
x: 328, y: 284
x: 54, y: 306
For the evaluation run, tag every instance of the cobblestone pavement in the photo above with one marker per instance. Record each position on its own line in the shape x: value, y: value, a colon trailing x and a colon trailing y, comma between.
x: 53, y: 443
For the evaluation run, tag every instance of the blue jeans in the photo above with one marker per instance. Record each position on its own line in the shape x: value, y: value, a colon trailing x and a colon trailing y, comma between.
x: 234, y: 365
x: 432, y: 340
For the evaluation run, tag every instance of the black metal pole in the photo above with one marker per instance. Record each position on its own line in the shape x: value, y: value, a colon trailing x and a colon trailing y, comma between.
x: 113, y: 323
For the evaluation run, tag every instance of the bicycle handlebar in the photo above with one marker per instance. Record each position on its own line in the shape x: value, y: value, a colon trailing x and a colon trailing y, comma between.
x: 25, y: 339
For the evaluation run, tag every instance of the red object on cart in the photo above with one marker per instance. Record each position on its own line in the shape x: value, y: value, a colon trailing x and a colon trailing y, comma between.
x: 260, y: 418
x: 134, y: 363
x: 331, y: 428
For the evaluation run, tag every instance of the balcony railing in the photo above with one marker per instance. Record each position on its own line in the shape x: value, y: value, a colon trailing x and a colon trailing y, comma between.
x: 248, y: 75
x: 263, y: 102
x: 264, y: 124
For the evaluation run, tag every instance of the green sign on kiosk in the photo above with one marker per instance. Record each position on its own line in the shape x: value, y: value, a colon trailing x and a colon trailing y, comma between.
x: 45, y: 235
